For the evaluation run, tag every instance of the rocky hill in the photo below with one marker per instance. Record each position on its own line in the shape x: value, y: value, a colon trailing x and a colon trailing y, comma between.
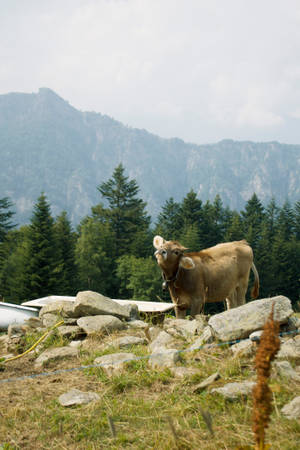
x: 48, y: 145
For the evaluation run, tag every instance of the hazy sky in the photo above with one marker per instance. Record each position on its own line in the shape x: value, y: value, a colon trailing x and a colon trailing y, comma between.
x: 201, y: 70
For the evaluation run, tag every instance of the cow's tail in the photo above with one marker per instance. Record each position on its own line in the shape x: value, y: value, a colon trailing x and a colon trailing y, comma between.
x: 255, y: 289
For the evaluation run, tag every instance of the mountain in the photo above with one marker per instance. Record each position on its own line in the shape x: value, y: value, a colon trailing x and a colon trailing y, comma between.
x: 48, y: 145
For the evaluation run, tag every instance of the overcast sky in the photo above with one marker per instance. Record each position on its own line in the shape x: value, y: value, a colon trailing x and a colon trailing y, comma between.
x: 200, y: 70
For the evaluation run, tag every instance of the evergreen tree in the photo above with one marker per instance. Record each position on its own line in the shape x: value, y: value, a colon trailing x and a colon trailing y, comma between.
x: 126, y: 214
x: 191, y: 217
x: 65, y: 271
x: 252, y: 218
x: 95, y: 250
x: 15, y: 271
x: 286, y: 222
x: 297, y: 220
x: 42, y: 251
x: 234, y: 231
x: 170, y: 222
x: 6, y: 214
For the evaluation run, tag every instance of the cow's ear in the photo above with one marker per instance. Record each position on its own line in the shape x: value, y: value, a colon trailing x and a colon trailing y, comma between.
x: 187, y: 263
x: 158, y: 242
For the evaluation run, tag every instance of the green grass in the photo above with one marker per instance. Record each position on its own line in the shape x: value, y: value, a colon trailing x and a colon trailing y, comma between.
x: 141, y: 403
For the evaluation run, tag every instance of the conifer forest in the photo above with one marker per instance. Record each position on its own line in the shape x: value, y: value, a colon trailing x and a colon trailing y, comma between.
x: 111, y: 250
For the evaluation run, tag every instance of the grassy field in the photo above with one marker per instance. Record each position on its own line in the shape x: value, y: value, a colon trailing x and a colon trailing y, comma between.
x: 149, y: 409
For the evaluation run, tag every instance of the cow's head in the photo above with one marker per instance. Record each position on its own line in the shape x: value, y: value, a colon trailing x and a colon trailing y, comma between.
x: 170, y: 255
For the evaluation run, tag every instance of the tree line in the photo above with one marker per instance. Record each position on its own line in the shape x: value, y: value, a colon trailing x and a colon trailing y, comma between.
x: 111, y: 250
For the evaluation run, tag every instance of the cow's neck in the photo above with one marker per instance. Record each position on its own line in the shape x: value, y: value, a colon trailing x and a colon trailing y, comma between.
x: 169, y: 276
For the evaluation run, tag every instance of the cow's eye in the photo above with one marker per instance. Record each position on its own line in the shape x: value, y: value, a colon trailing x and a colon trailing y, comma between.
x: 176, y: 252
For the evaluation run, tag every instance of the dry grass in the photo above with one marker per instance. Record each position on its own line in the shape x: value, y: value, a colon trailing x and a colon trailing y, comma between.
x: 149, y: 409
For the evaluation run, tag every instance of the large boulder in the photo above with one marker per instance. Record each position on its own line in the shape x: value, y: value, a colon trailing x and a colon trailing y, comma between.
x: 181, y: 327
x: 240, y: 322
x: 89, y: 303
x: 62, y: 308
x: 100, y: 324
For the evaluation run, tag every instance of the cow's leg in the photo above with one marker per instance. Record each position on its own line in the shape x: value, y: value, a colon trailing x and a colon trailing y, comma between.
x: 241, y: 294
x: 231, y: 300
x: 180, y: 312
x: 197, y: 307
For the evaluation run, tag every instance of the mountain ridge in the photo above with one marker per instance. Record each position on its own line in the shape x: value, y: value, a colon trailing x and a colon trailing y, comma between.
x: 48, y: 145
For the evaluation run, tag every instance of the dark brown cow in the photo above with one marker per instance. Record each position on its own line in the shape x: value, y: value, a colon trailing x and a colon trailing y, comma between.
x: 211, y: 275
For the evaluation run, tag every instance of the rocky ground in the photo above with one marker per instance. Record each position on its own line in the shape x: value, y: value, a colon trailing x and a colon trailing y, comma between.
x: 187, y: 369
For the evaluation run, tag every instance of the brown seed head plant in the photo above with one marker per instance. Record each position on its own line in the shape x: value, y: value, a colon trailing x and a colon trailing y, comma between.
x: 262, y: 395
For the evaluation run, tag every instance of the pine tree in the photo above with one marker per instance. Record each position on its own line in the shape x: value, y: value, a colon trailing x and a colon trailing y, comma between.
x: 65, y: 271
x: 252, y: 218
x: 234, y: 231
x: 297, y: 220
x: 170, y: 222
x: 42, y: 251
x: 6, y: 214
x: 126, y: 213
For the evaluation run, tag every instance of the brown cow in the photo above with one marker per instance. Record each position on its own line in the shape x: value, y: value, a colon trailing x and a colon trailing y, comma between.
x: 211, y: 275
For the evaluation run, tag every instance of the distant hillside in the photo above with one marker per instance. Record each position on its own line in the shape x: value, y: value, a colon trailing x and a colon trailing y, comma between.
x: 47, y: 145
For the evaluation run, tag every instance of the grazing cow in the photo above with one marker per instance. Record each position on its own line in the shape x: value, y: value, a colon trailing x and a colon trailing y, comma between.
x: 211, y: 275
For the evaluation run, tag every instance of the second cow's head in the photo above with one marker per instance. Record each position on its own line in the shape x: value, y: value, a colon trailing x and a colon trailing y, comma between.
x: 170, y: 255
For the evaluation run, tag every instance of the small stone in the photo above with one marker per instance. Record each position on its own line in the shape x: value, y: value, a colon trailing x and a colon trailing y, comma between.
x: 49, y: 319
x: 255, y: 336
x: 70, y: 331
x: 205, y: 383
x: 184, y: 372
x: 100, y: 324
x: 181, y: 327
x: 285, y: 369
x: 76, y: 397
x: 167, y: 358
x: 290, y: 349
x: 128, y: 341
x: 205, y: 338
x: 115, y: 362
x: 54, y: 354
x: 137, y: 324
x: 33, y: 322
x: 233, y: 391
x: 243, y: 348
x: 162, y: 341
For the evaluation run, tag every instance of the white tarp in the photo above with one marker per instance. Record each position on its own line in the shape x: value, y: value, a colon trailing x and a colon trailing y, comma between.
x: 143, y: 306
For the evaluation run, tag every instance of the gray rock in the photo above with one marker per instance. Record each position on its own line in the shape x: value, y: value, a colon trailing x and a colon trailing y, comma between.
x: 205, y: 338
x: 293, y: 324
x: 4, y: 340
x: 162, y: 341
x: 100, y: 324
x: 167, y: 358
x: 33, y: 322
x: 54, y: 354
x: 292, y: 410
x: 290, y: 349
x: 61, y: 308
x: 49, y: 319
x: 115, y: 362
x: 76, y: 397
x: 89, y: 303
x: 16, y: 330
x: 75, y: 344
x: 181, y: 327
x: 133, y: 311
x: 184, y: 372
x: 243, y: 348
x: 240, y: 322
x: 201, y: 322
x: 128, y: 341
x: 285, y: 369
x: 205, y: 383
x: 255, y: 336
x: 153, y: 332
x: 137, y: 324
x: 70, y: 331
x: 233, y: 391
